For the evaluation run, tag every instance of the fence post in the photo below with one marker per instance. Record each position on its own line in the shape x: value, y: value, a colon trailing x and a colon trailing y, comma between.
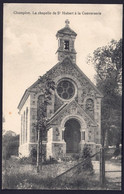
x: 102, y: 167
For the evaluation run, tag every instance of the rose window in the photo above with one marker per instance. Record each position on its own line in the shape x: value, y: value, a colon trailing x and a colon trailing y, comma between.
x: 65, y: 89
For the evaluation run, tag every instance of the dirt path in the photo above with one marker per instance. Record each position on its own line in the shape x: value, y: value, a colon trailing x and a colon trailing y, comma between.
x: 113, y: 179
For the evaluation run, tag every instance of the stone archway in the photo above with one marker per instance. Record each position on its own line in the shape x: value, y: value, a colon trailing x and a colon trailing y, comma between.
x: 72, y: 135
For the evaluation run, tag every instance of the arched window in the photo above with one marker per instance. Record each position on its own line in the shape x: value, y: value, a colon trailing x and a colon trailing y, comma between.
x: 24, y: 128
x: 89, y: 107
x: 41, y: 109
x: 21, y: 135
x: 66, y: 44
x: 41, y: 113
x: 26, y: 124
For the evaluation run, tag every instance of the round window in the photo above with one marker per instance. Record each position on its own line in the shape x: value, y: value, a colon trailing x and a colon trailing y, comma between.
x: 65, y: 89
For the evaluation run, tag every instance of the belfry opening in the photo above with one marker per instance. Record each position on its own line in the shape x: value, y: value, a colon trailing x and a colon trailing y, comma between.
x: 72, y: 136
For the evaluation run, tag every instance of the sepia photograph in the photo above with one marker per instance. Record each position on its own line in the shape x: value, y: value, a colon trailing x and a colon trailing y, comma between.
x: 62, y: 96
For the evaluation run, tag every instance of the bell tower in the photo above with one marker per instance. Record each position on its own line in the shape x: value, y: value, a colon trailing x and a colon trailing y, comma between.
x: 66, y: 38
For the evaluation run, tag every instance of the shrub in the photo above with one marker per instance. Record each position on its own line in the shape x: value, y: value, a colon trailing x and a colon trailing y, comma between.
x: 76, y: 156
x: 32, y: 159
x: 87, y: 165
x: 50, y: 161
x: 116, y: 152
x: 10, y: 146
x: 26, y: 181
x: 33, y: 156
x: 25, y: 160
x: 73, y: 182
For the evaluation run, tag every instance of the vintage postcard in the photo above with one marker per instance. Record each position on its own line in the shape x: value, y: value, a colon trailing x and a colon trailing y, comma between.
x: 62, y: 91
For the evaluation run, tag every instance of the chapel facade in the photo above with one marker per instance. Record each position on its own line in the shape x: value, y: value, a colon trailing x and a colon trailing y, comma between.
x: 74, y: 111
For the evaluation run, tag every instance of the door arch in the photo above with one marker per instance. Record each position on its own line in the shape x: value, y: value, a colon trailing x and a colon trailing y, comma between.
x: 72, y: 135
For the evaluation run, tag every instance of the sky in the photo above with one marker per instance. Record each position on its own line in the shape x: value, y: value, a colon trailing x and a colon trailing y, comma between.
x: 30, y: 44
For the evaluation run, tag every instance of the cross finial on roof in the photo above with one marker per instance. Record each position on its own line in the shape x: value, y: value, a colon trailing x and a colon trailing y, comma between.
x: 67, y: 22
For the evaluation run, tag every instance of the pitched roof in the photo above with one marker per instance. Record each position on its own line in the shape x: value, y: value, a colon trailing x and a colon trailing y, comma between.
x: 23, y: 99
x: 95, y: 88
x: 66, y: 30
x: 66, y: 106
x: 28, y: 90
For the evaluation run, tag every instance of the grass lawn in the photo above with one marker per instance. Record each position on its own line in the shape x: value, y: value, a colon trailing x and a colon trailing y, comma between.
x: 24, y: 176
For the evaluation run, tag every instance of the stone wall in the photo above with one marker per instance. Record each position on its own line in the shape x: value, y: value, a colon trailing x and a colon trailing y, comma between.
x: 25, y: 129
x: 86, y: 104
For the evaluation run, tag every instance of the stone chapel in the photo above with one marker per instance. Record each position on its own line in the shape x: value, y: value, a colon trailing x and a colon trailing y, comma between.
x: 74, y: 112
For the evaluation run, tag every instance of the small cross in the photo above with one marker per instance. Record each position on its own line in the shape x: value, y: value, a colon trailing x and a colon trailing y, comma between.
x: 67, y: 22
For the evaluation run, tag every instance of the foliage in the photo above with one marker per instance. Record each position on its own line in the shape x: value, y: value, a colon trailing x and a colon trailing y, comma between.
x: 20, y: 176
x: 86, y: 155
x: 33, y: 156
x: 10, y: 145
x: 76, y: 156
x: 25, y: 160
x: 50, y: 161
x: 32, y: 159
x: 22, y: 179
x: 107, y: 61
x: 25, y: 181
x: 42, y: 122
x: 73, y: 182
x: 31, y: 181
x: 117, y: 152
x: 46, y: 97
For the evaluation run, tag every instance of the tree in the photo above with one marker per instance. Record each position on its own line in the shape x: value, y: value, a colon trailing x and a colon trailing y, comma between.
x: 10, y: 145
x: 42, y: 125
x: 107, y: 61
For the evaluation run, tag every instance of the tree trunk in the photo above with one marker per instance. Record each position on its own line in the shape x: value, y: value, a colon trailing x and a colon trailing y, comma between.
x: 38, y: 152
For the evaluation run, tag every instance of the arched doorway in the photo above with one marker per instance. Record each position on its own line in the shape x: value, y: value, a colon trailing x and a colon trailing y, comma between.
x: 72, y: 135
